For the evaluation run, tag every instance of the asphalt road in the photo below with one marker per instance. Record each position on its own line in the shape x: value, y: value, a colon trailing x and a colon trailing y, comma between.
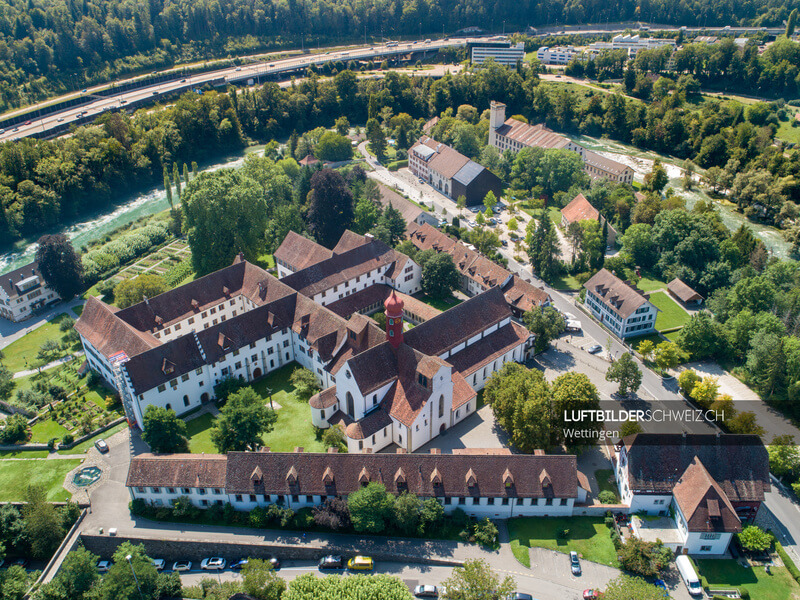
x: 231, y: 74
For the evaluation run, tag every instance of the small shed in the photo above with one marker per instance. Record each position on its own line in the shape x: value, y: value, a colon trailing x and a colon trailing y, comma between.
x: 684, y: 293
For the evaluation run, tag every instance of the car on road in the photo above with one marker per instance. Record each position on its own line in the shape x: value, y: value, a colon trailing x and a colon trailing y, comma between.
x: 60, y: 119
x: 421, y: 180
x: 215, y: 563
x: 520, y: 596
x: 103, y: 566
x: 183, y: 81
x: 238, y: 69
x: 239, y: 564
x: 332, y: 561
x: 474, y: 209
x: 574, y: 563
x: 155, y: 92
x: 27, y: 122
x: 16, y: 129
x: 123, y: 101
x: 2, y: 130
x: 361, y: 563
x: 182, y: 565
x: 101, y: 446
x: 591, y: 594
x: 84, y: 91
x: 158, y: 563
x: 596, y: 349
x: 426, y: 591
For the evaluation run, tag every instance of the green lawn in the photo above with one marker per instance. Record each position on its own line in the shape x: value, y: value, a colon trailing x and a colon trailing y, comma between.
x: 566, y: 282
x: 86, y: 445
x: 588, y: 536
x: 605, y: 481
x: 729, y: 573
x: 78, y: 310
x: 670, y: 315
x: 16, y: 475
x: 442, y: 305
x: 653, y: 337
x: 292, y: 429
x: 45, y: 430
x: 21, y: 355
x: 648, y: 283
x: 787, y: 132
x: 23, y: 454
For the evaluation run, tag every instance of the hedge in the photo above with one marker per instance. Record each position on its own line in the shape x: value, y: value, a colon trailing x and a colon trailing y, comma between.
x: 788, y: 562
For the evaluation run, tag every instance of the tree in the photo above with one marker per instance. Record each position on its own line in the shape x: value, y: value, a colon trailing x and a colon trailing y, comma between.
x: 365, y: 215
x: 626, y: 587
x: 657, y: 179
x: 61, y: 267
x: 15, y: 583
x: 475, y: 580
x: 376, y: 139
x: 573, y: 392
x: 626, y: 372
x: 646, y: 348
x: 546, y: 322
x: 439, y: 274
x: 260, y: 581
x: 333, y: 147
x: 512, y: 224
x: 225, y: 213
x: 43, y: 524
x: 163, y: 431
x: 242, y: 422
x: 119, y: 582
x: 667, y: 355
x: 489, y: 200
x: 76, y: 577
x: 629, y: 428
x: 705, y: 391
x: 644, y: 558
x: 791, y: 23
x: 342, y: 125
x: 702, y: 336
x: 461, y: 203
x: 7, y: 384
x: 373, y: 587
x: 371, y: 508
x: 755, y: 539
x: 132, y: 291
x: 544, y: 249
x: 391, y: 226
x: 305, y: 383
x: 407, y: 513
x: 784, y: 457
x: 15, y: 430
x: 330, y: 209
x: 484, y: 240
x: 687, y: 380
x: 638, y: 242
x: 521, y: 404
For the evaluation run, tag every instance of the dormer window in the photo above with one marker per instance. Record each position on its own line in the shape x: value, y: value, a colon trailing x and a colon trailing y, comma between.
x: 471, y: 479
x: 256, y: 476
x: 423, y: 381
x: 291, y: 476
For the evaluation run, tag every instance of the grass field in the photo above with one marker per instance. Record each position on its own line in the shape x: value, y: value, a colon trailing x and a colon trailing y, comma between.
x: 21, y: 355
x: 729, y: 573
x: 439, y: 304
x: 17, y: 475
x: 649, y: 283
x: 87, y: 444
x: 787, y: 132
x: 588, y: 536
x: 45, y: 430
x: 669, y: 313
x: 605, y: 481
x: 292, y: 429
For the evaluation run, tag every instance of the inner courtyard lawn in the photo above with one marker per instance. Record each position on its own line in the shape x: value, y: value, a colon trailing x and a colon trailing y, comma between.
x: 779, y: 585
x: 670, y: 315
x: 17, y: 475
x: 292, y: 429
x: 588, y: 536
x: 21, y: 355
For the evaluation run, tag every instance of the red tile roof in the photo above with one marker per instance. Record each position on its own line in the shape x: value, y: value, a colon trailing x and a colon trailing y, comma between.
x: 615, y: 293
x: 300, y: 252
x: 580, y: 210
x: 683, y: 291
x: 178, y: 470
x: 100, y: 326
x: 537, y: 136
x: 703, y: 503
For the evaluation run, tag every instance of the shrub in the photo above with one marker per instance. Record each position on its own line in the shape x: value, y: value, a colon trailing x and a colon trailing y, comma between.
x: 137, y: 506
x: 485, y: 533
x: 183, y: 508
x: 607, y: 497
x: 788, y: 562
x: 68, y: 439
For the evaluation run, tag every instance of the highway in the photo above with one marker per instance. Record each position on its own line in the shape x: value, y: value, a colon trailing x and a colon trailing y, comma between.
x: 257, y: 71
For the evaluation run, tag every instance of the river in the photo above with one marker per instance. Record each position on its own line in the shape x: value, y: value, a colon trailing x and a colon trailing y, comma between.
x: 94, y: 227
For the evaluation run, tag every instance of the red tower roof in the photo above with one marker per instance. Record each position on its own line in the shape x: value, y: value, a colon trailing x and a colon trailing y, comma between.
x: 393, y: 305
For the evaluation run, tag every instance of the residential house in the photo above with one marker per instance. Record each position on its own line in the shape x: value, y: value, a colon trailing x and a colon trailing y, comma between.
x: 23, y: 291
x: 579, y: 209
x: 681, y: 291
x: 622, y: 308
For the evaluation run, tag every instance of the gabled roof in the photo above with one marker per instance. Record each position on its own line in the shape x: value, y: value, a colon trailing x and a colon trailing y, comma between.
x: 683, y: 291
x: 101, y: 327
x: 604, y: 163
x: 408, y: 209
x: 739, y: 463
x: 703, y: 503
x: 524, y: 296
x: 579, y: 209
x: 300, y: 252
x: 537, y: 136
x: 615, y: 293
x: 445, y: 160
x: 178, y: 470
x: 416, y: 470
x: 10, y: 280
x: 490, y: 348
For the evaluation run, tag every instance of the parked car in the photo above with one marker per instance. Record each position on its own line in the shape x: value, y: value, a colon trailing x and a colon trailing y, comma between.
x: 360, y: 563
x: 574, y: 563
x: 276, y: 564
x: 239, y: 564
x: 520, y: 596
x: 426, y: 591
x: 504, y: 243
x: 103, y: 566
x: 60, y: 119
x: 101, y: 446
x: 182, y: 565
x: 596, y: 349
x: 183, y: 81
x: 332, y: 561
x: 238, y: 68
x: 215, y: 563
x: 158, y: 563
x: 27, y: 122
x: 2, y: 131
x: 591, y: 594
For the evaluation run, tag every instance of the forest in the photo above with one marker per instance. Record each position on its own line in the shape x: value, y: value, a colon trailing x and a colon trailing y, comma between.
x: 53, y: 46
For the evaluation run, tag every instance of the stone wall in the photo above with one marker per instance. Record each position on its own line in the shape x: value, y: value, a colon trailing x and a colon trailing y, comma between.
x: 196, y: 550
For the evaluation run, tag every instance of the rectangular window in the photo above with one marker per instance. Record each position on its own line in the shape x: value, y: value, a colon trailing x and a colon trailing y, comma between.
x: 563, y: 502
x: 238, y: 365
x: 203, y: 315
x: 199, y: 371
x: 548, y: 502
x: 184, y: 491
x: 238, y: 497
x: 213, y: 310
x: 191, y: 320
x: 170, y: 490
x: 162, y: 387
x: 310, y: 499
x: 705, y: 548
x: 490, y: 501
x: 252, y: 498
x: 185, y: 377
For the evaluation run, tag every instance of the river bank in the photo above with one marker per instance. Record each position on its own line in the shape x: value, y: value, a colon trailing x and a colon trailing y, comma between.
x: 89, y: 228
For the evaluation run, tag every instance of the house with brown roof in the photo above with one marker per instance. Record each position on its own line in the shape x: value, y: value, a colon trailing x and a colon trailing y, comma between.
x: 478, y: 273
x: 709, y: 485
x: 682, y: 292
x: 23, y: 291
x: 412, y: 213
x: 580, y: 209
x: 622, y: 308
x: 481, y: 483
x: 512, y: 134
x: 240, y: 322
x: 452, y: 173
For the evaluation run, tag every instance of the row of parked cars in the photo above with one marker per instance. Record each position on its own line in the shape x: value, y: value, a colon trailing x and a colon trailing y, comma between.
x: 217, y: 563
x: 432, y: 591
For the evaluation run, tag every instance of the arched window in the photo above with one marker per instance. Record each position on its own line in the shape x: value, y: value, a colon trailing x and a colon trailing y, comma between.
x: 441, y: 406
x: 168, y: 407
x: 186, y: 400
x: 351, y: 407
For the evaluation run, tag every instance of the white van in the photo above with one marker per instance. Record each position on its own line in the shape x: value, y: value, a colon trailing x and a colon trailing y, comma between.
x: 689, y: 575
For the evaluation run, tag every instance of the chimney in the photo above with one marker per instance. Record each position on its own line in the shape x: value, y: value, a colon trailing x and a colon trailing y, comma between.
x: 264, y: 449
x: 369, y: 236
x: 298, y: 449
x: 436, y: 451
x: 401, y: 451
x: 538, y: 452
x: 333, y: 450
x: 366, y: 451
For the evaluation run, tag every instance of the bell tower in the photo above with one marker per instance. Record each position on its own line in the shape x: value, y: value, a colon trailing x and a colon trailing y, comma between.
x: 394, y: 319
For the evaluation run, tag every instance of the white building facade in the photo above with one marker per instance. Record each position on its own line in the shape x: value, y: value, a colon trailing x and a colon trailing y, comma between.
x: 24, y: 291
